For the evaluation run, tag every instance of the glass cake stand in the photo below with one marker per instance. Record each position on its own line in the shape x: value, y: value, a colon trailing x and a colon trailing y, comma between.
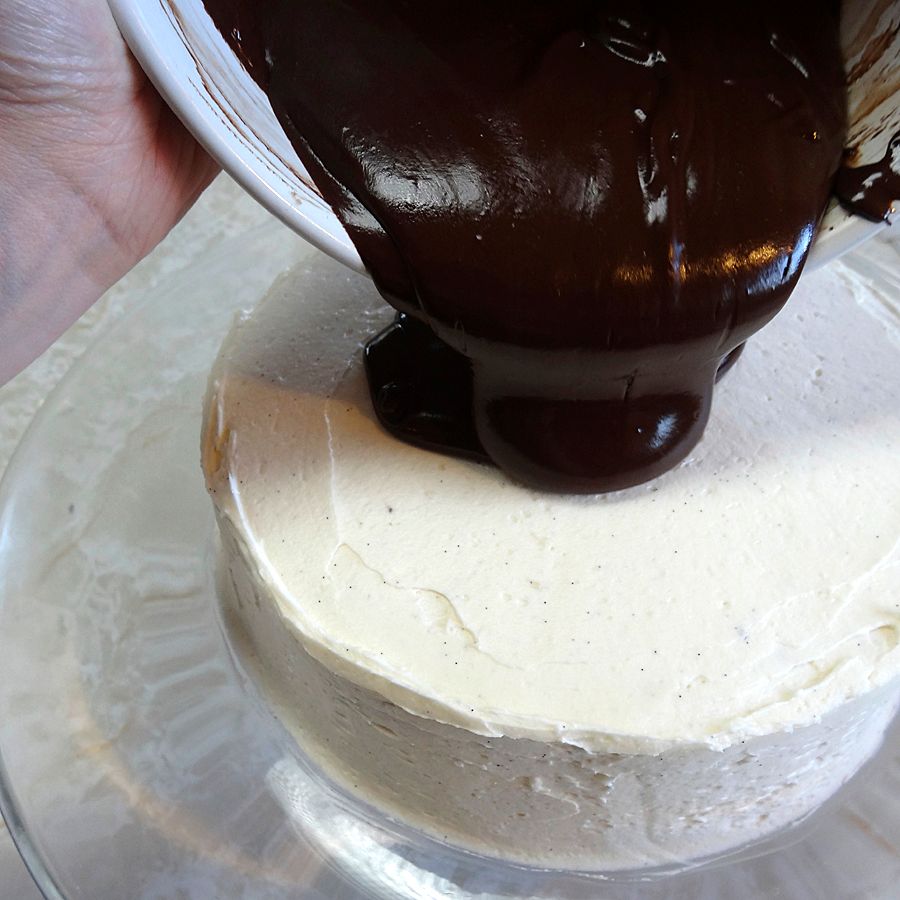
x: 136, y: 762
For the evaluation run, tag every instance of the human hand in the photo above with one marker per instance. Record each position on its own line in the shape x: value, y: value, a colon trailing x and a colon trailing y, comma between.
x: 94, y: 168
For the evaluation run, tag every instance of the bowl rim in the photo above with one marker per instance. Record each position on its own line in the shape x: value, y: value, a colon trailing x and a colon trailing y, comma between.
x: 152, y: 33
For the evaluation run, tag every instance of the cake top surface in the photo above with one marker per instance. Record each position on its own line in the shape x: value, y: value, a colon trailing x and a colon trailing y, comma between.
x: 751, y: 589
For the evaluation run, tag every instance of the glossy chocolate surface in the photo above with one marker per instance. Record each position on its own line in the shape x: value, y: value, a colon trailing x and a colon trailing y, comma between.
x: 579, y: 209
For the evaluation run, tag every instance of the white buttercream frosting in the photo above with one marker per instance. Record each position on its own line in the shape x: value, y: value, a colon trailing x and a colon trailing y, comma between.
x: 752, y: 591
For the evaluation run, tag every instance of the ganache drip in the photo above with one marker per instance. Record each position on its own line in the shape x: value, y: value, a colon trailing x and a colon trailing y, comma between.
x: 580, y: 210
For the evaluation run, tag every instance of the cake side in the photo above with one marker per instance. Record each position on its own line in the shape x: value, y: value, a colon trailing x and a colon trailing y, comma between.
x: 546, y: 804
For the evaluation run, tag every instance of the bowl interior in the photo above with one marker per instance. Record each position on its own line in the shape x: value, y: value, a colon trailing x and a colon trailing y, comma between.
x: 192, y: 66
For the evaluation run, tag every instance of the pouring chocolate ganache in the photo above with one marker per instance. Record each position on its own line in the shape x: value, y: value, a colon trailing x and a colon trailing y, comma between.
x: 580, y: 210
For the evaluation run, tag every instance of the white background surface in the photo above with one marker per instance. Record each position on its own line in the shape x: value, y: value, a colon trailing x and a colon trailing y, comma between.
x: 222, y: 212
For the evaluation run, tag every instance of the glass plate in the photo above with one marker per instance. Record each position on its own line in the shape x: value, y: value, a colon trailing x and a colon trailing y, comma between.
x: 135, y: 760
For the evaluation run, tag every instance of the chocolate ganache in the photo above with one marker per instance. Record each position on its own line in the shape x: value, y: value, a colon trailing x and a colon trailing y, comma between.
x: 580, y: 209
x: 870, y: 191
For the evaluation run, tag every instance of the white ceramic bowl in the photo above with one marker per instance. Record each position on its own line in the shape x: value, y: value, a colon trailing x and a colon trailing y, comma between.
x: 195, y: 70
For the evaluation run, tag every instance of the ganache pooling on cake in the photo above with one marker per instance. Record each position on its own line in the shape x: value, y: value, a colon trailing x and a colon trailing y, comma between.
x: 580, y: 210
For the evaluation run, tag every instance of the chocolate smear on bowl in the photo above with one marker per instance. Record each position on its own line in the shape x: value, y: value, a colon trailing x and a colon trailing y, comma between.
x: 872, y: 190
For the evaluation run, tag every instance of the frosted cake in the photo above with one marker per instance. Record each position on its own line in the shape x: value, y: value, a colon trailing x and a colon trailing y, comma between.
x: 597, y: 682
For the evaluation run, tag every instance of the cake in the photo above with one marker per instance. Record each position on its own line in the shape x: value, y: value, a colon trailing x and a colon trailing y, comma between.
x: 608, y: 682
x: 529, y: 645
